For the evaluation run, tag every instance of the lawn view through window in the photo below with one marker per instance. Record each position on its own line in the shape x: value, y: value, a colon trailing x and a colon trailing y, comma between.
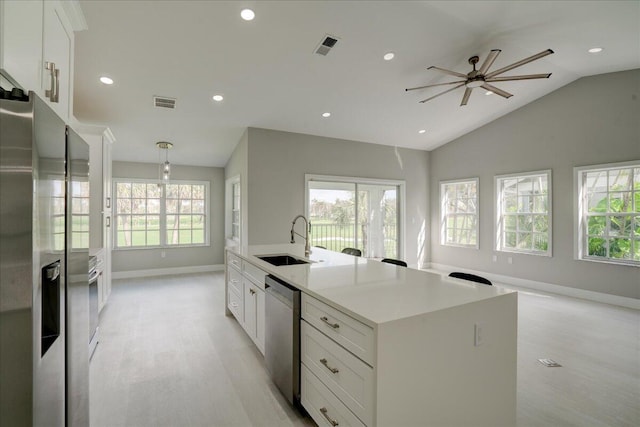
x: 524, y: 213
x: 459, y: 213
x: 152, y: 215
x: 609, y: 213
x: 355, y: 213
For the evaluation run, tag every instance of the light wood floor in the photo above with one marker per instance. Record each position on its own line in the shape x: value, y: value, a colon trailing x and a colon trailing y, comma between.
x: 169, y: 356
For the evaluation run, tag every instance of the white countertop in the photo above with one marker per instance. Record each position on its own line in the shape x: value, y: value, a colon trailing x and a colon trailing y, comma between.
x: 370, y: 290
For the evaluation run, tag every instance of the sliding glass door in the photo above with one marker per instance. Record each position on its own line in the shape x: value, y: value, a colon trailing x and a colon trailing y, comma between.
x: 362, y: 214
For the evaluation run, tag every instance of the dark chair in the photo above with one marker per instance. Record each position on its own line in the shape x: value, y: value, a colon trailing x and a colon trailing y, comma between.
x: 471, y: 277
x: 318, y: 246
x: 352, y: 251
x: 394, y: 261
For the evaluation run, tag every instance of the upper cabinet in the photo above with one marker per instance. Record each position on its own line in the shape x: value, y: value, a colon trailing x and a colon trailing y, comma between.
x: 36, y: 48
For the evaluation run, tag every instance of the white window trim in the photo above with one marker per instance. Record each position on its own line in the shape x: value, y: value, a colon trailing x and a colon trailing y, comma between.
x: 162, y: 214
x: 373, y: 181
x: 578, y: 219
x: 229, y: 208
x: 498, y: 213
x: 443, y: 240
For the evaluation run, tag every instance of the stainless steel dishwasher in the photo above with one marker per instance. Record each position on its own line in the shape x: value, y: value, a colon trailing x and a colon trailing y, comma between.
x: 282, y: 336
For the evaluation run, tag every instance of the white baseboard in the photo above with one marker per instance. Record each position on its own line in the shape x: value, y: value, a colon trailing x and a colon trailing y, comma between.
x: 542, y: 286
x: 166, y: 271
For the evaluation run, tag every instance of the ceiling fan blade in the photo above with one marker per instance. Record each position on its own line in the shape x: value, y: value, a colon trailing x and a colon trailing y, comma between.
x: 453, y: 73
x: 519, y: 63
x: 489, y: 61
x: 465, y: 97
x: 442, y: 93
x: 439, y: 84
x: 523, y: 77
x: 497, y: 91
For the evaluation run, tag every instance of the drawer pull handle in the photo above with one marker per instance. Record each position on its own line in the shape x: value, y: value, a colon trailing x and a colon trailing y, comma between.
x: 333, y: 325
x: 252, y: 292
x: 234, y: 305
x: 235, y: 281
x: 324, y: 411
x: 333, y: 370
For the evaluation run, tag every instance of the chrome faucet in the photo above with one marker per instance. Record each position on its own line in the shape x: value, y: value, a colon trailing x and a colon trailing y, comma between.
x: 307, y: 248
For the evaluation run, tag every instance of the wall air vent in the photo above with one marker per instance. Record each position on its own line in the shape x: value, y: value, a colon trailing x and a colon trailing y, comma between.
x: 327, y: 43
x: 164, y: 102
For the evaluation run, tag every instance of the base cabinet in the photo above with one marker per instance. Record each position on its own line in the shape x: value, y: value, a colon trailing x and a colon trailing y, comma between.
x: 245, y: 297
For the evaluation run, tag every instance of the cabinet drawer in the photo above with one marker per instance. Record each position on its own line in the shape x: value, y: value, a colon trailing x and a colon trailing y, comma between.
x: 348, y: 377
x: 235, y: 281
x: 233, y: 260
x: 236, y: 306
x: 254, y: 274
x: 353, y: 335
x: 325, y: 408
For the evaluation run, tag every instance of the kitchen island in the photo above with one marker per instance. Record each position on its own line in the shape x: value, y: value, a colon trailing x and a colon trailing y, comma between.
x: 383, y: 345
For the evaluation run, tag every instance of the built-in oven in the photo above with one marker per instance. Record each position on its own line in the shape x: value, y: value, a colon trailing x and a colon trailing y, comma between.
x: 94, y: 273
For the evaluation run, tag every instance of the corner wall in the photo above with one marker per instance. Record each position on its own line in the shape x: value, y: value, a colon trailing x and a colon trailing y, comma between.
x: 593, y: 120
x: 128, y: 260
x: 278, y: 162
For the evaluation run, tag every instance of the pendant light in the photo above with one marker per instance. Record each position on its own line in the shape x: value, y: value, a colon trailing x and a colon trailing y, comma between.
x: 164, y: 168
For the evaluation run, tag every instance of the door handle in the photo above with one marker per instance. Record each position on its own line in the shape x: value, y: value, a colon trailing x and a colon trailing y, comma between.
x: 54, y: 92
x: 326, y: 365
x: 324, y: 411
x: 326, y: 320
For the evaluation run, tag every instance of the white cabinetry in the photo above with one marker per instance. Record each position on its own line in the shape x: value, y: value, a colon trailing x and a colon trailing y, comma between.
x: 100, y: 140
x: 36, y: 48
x: 329, y: 341
x: 245, y: 297
x: 21, y: 42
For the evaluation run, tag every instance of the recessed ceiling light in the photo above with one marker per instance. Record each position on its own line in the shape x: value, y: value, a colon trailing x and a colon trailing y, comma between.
x: 595, y: 50
x: 247, y: 14
x: 218, y: 98
x: 488, y: 92
x: 422, y: 131
x: 326, y: 114
x: 106, y: 80
x: 389, y: 56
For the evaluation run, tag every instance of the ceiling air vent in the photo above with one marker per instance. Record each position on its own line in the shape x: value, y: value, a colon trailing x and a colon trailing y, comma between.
x: 326, y: 44
x: 164, y: 102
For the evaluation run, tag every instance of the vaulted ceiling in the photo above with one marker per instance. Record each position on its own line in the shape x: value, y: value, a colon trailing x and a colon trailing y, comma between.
x: 270, y: 77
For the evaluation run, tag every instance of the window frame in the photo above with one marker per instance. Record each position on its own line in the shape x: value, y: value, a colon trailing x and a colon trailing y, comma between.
x: 401, y: 195
x: 443, y: 212
x: 230, y: 185
x: 580, y: 241
x: 162, y: 214
x: 498, y: 224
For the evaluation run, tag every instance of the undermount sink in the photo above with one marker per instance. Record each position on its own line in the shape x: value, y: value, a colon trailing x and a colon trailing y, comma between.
x: 279, y: 260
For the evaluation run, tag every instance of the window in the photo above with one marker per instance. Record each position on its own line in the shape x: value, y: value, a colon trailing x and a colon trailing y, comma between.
x: 356, y: 212
x: 459, y: 213
x: 523, y: 207
x: 608, y: 202
x: 233, y: 213
x: 152, y: 215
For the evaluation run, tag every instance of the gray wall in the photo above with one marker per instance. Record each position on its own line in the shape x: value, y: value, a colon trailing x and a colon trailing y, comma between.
x: 593, y: 120
x: 278, y: 162
x: 144, y: 259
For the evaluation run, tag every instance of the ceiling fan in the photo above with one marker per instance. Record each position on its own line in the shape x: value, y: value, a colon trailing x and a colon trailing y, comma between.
x: 482, y: 78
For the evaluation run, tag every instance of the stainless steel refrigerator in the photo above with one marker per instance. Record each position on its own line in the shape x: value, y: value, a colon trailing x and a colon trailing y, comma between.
x: 44, y: 251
